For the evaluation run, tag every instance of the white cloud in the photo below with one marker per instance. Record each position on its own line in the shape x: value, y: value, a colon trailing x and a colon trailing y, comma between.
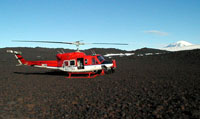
x: 157, y: 32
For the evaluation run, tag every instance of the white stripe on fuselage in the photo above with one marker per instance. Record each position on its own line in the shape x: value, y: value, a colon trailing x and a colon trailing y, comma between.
x: 87, y: 68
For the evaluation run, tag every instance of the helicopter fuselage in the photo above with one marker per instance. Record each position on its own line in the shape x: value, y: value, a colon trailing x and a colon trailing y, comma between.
x: 74, y: 62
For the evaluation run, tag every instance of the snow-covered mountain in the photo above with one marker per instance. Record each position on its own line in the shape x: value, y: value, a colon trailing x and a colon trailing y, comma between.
x: 180, y: 45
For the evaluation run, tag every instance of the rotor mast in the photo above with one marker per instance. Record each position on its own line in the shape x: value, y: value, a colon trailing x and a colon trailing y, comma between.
x: 78, y: 43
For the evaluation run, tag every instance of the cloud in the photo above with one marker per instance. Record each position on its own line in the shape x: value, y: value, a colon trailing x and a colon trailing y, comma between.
x: 160, y: 33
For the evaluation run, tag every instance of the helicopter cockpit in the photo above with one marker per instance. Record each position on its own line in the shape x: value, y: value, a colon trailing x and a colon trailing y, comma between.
x: 102, y: 60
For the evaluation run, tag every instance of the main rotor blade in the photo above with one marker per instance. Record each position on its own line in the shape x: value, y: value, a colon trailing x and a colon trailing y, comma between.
x: 110, y: 43
x: 74, y: 43
x: 43, y: 42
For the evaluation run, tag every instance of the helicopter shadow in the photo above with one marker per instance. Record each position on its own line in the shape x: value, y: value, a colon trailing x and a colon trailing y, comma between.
x: 52, y: 73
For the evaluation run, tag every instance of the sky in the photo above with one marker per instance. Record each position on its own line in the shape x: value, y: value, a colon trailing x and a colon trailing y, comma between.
x: 140, y: 23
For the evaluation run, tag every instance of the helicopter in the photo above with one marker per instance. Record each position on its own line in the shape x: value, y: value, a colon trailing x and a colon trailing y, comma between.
x: 77, y: 64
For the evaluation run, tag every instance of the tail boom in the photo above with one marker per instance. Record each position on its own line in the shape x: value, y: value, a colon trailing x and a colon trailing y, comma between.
x: 42, y: 64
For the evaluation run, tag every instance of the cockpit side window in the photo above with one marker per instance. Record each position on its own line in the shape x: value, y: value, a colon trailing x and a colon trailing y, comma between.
x: 100, y: 58
x: 86, y: 61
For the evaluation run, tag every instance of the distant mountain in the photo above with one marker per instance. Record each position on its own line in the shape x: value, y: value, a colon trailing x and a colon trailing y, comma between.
x: 181, y: 45
x: 148, y: 50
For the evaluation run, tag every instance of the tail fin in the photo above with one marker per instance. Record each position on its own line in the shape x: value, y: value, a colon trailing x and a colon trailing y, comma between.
x: 18, y: 56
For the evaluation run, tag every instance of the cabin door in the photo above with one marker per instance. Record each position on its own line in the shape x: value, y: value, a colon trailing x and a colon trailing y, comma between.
x: 80, y: 63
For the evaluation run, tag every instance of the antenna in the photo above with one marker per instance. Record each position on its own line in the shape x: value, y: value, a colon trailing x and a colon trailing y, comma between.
x: 59, y: 52
x: 93, y: 52
x: 62, y: 51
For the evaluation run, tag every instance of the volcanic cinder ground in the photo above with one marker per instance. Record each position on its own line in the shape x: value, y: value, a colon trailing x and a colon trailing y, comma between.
x: 157, y: 86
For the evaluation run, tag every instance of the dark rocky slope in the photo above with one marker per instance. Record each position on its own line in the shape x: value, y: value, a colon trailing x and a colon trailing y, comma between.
x: 158, y: 86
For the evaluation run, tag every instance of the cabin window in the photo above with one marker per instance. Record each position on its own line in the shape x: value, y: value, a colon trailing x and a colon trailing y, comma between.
x: 72, y: 63
x: 66, y: 63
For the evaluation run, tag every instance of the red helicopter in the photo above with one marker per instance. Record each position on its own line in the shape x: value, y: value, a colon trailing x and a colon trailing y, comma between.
x: 76, y: 64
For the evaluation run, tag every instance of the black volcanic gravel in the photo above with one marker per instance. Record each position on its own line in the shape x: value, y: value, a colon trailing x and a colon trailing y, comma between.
x: 158, y: 86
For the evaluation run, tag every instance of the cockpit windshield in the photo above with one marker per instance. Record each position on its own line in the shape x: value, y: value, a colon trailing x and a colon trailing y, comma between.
x: 100, y: 58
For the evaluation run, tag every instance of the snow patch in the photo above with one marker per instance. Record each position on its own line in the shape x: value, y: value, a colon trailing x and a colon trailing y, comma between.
x: 148, y: 53
x: 140, y: 55
x: 129, y: 54
x: 118, y: 54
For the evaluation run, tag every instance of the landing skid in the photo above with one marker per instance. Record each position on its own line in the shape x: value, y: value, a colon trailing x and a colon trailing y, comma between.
x: 85, y: 74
